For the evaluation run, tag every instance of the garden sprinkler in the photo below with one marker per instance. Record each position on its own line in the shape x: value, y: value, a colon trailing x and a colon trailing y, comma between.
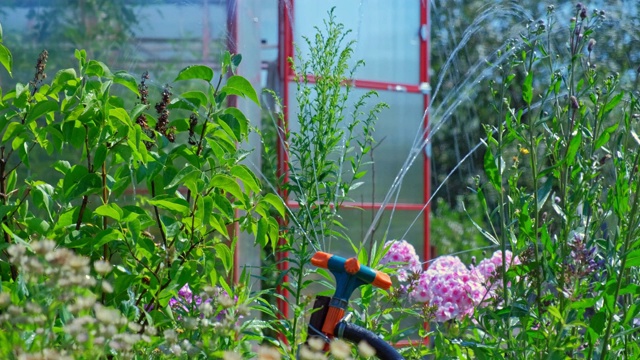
x: 327, y: 318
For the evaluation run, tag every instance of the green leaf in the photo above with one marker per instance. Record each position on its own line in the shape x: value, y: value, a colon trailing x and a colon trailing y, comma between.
x: 6, y: 59
x: 574, y: 145
x: 491, y: 169
x: 100, y: 155
x: 543, y: 192
x: 274, y: 229
x: 527, y: 88
x: 42, y: 196
x: 120, y: 114
x: 127, y: 80
x: 23, y: 154
x: 1, y: 35
x: 223, y: 252
x: 484, y: 232
x: 606, y: 135
x: 171, y: 203
x: 13, y: 129
x: 195, y: 72
x: 236, y: 59
x: 633, y: 259
x: 237, y: 85
x: 555, y: 313
x: 187, y: 173
x: 110, y: 210
x: 261, y: 233
x: 64, y: 77
x: 41, y: 108
x: 97, y: 68
x: 612, y: 104
x: 597, y: 322
x: 241, y: 120
x: 247, y: 177
x: 107, y: 236
x: 228, y: 184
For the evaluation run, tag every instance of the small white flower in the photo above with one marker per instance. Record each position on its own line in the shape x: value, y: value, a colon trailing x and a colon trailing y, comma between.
x: 171, y: 336
x: 366, y: 350
x: 268, y: 353
x: 16, y: 252
x: 102, y: 267
x: 230, y: 355
x: 225, y: 300
x: 340, y: 349
x: 176, y: 350
x: 206, y: 309
x: 43, y: 247
x: 135, y: 327
x: 5, y: 299
x: 316, y: 343
x: 106, y: 287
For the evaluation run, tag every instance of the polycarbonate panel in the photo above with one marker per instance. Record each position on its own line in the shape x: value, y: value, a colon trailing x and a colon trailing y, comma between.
x: 158, y: 36
x: 396, y: 130
x: 407, y: 225
x: 386, y: 34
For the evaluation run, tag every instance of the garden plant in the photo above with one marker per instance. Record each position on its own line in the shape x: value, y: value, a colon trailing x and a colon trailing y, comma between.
x: 125, y: 248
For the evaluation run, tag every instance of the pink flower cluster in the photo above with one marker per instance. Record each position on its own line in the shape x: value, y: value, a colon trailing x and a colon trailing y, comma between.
x: 403, y: 257
x: 449, y: 285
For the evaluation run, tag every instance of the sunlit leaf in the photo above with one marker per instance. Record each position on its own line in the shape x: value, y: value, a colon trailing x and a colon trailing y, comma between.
x: 109, y: 210
x: 574, y: 145
x: 174, y: 204
x: 527, y: 88
x: 227, y: 184
x: 237, y: 85
x: 41, y: 108
x: 201, y: 72
x: 247, y: 177
x: 491, y: 169
x: 106, y: 236
x: 127, y: 80
x: 6, y: 59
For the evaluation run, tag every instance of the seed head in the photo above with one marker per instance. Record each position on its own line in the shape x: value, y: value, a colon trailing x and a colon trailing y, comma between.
x: 574, y: 103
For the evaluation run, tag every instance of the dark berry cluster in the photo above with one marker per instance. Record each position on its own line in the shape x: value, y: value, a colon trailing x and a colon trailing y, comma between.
x: 39, y: 77
x: 163, y: 112
x: 193, y: 121
x: 143, y: 89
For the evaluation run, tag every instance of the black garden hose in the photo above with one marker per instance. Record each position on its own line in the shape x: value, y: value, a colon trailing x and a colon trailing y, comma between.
x: 355, y: 334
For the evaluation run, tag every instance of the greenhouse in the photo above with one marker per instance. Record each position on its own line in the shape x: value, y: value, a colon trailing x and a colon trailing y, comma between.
x: 300, y: 179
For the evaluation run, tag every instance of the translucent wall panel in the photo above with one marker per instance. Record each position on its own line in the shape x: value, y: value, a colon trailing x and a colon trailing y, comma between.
x: 395, y: 133
x: 386, y: 34
x: 407, y: 225
x: 158, y: 36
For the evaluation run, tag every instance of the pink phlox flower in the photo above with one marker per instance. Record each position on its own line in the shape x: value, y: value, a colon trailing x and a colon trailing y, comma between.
x: 450, y: 286
x: 488, y: 269
x: 404, y: 255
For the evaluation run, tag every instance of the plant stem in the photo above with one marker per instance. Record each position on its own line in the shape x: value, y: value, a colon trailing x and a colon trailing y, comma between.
x: 5, y: 219
x: 631, y: 225
x: 157, y: 213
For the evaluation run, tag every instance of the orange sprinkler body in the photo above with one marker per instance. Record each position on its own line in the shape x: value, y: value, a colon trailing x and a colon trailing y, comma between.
x: 349, y: 274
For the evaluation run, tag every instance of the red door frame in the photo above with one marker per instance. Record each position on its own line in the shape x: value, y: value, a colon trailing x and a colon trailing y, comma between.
x: 285, y: 51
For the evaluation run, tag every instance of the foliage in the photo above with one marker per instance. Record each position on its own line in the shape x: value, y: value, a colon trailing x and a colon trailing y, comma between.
x: 326, y: 148
x: 155, y: 202
x: 561, y: 192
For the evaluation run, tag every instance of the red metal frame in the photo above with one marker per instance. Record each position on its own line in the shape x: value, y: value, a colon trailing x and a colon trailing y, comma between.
x: 285, y: 51
x: 232, y: 101
x: 426, y: 169
x: 285, y: 46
